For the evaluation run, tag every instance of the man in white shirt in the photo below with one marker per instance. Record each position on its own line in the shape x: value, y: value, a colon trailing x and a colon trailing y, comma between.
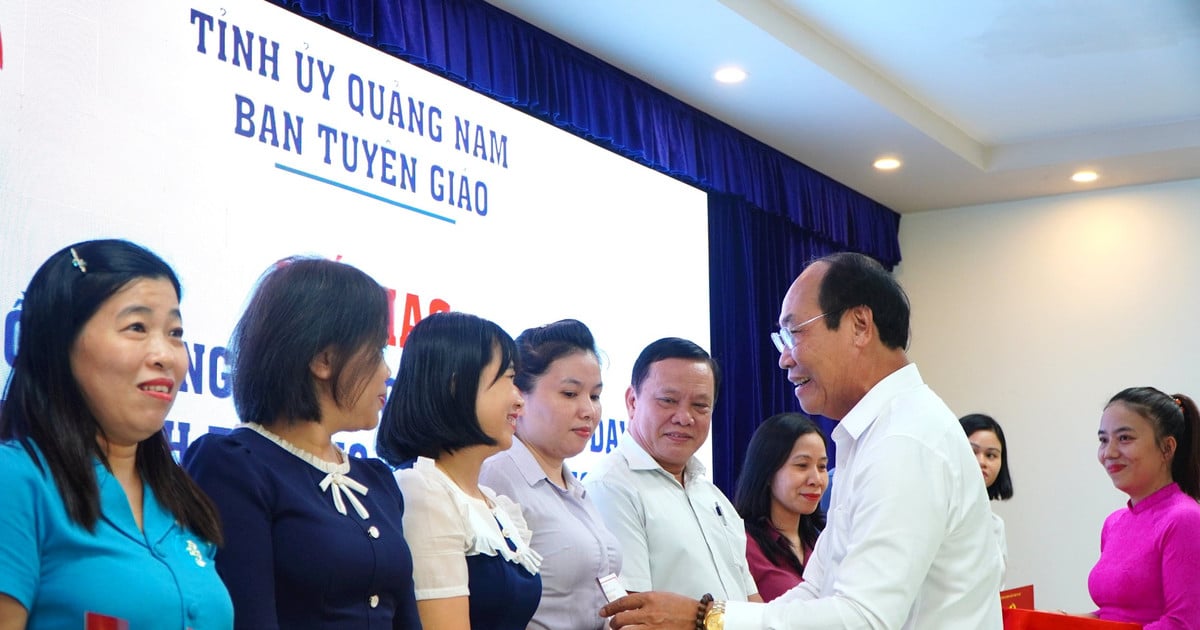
x: 909, y: 542
x: 678, y: 532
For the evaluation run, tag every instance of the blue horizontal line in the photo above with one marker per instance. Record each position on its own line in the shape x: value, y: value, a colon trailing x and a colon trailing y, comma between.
x: 323, y: 180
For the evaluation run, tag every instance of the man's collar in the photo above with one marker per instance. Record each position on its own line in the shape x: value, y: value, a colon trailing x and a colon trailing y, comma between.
x: 868, y: 408
x: 639, y: 459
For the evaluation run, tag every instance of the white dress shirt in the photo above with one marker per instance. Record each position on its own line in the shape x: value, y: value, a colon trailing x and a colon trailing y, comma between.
x: 685, y: 539
x: 1002, y: 539
x: 910, y: 543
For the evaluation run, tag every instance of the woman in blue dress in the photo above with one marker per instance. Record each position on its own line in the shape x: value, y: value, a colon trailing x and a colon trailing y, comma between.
x: 452, y: 406
x: 99, y: 525
x: 314, y: 538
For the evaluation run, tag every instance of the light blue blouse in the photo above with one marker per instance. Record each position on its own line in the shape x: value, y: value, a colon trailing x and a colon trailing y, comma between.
x: 162, y: 576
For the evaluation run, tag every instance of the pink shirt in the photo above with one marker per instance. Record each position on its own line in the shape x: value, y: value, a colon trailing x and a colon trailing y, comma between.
x: 772, y: 580
x: 1149, y: 567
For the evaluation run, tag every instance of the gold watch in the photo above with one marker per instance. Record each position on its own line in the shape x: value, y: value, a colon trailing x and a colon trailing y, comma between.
x: 714, y: 619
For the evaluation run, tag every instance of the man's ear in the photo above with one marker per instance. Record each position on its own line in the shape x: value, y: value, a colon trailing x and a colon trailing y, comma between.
x: 862, y: 323
x: 630, y: 400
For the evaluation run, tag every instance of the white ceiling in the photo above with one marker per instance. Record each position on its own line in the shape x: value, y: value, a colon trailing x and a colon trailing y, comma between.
x: 983, y: 100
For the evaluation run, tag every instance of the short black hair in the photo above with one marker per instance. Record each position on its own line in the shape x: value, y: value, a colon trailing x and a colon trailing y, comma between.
x: 767, y: 452
x: 1175, y: 416
x: 431, y: 409
x: 1002, y: 488
x: 43, y: 404
x: 541, y: 346
x: 854, y: 279
x: 301, y: 307
x: 672, y: 348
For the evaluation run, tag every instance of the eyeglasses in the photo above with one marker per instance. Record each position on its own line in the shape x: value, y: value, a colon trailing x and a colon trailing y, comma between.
x: 785, y: 339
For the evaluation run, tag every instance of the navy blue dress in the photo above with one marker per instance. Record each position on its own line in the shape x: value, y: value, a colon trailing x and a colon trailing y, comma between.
x: 291, y: 559
x: 463, y: 546
x: 504, y: 595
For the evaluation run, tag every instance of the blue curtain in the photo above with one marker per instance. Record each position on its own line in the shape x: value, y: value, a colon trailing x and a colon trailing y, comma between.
x: 768, y: 213
x: 751, y: 265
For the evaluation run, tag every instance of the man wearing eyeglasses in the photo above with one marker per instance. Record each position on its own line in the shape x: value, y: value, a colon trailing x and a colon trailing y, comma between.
x: 908, y: 543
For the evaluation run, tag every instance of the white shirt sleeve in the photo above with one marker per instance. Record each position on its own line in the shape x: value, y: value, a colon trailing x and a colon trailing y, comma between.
x: 749, y: 586
x: 1001, y: 538
x: 621, y: 510
x: 900, y: 507
x: 436, y: 533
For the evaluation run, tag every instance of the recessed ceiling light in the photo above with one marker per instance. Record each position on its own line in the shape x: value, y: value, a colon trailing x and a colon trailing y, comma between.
x: 887, y: 164
x: 1084, y: 177
x: 730, y: 74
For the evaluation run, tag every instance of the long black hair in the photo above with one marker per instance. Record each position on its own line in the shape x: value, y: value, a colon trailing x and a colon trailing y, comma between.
x: 44, y: 405
x: 768, y: 451
x: 1171, y: 416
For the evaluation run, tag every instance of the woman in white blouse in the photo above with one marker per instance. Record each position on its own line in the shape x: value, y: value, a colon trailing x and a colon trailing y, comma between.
x: 991, y: 449
x: 559, y: 376
x: 452, y: 406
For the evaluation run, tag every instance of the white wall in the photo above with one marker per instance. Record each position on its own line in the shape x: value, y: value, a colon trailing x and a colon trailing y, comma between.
x: 1037, y: 312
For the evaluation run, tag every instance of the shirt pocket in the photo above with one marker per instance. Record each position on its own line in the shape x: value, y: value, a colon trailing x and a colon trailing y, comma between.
x: 724, y: 530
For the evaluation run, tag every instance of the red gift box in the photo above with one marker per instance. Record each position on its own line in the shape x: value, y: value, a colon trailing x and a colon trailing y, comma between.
x: 1020, y: 597
x: 1021, y: 619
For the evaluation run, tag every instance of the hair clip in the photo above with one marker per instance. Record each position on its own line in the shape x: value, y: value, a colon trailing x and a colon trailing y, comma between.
x: 1178, y: 402
x: 78, y: 262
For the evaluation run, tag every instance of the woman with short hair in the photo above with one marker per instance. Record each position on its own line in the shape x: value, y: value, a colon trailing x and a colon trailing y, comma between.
x: 991, y: 451
x: 315, y: 538
x: 452, y: 406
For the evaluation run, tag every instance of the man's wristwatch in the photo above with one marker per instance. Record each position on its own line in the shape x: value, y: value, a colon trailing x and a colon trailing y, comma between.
x: 714, y: 619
